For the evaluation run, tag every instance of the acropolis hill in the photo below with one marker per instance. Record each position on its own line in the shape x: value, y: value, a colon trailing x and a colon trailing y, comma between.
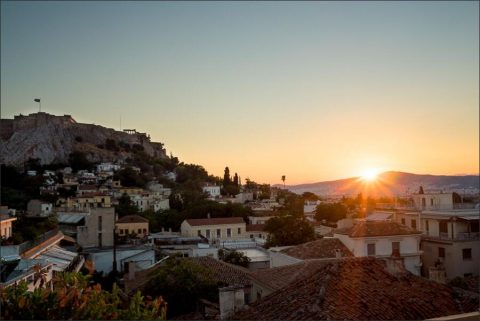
x: 52, y: 138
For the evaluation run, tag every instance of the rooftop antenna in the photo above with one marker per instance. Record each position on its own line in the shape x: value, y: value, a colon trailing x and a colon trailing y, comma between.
x: 37, y: 100
x: 120, y: 122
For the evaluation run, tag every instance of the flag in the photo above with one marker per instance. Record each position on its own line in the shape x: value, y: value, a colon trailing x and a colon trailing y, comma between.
x: 37, y: 100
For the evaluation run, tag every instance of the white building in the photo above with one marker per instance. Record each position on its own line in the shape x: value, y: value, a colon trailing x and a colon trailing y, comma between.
x: 433, y: 201
x: 39, y: 208
x: 383, y: 239
x: 107, y: 167
x: 212, y: 190
x: 214, y: 228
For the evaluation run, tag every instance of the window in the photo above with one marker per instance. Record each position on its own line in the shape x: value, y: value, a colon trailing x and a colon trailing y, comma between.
x: 413, y: 224
x: 121, y: 231
x: 139, y: 231
x: 474, y: 227
x: 207, y: 232
x: 403, y: 221
x: 423, y: 203
x: 443, y: 227
x: 251, y: 236
x: 229, y: 232
x: 99, y: 239
x: 99, y: 222
x: 396, y: 248
x: 219, y: 233
x: 246, y: 298
x: 199, y: 232
x: 239, y: 230
x: 441, y: 252
x: 371, y: 249
x: 431, y: 202
x: 144, y: 231
x: 467, y: 254
x: 427, y: 228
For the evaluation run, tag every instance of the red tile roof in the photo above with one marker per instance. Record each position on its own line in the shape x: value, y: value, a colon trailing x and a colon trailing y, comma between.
x: 132, y: 219
x: 376, y: 228
x: 278, y: 277
x: 319, y: 249
x: 214, y: 221
x: 359, y: 289
x: 255, y: 227
x: 224, y: 272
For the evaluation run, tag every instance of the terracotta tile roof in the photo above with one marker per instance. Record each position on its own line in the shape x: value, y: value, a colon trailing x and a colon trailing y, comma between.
x: 359, y: 289
x: 278, y: 277
x: 87, y: 187
x: 255, y: 227
x: 376, y: 228
x: 319, y: 249
x: 224, y: 272
x: 214, y: 221
x: 132, y: 219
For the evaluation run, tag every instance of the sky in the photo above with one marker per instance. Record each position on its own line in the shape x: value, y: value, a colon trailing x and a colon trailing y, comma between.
x: 311, y: 90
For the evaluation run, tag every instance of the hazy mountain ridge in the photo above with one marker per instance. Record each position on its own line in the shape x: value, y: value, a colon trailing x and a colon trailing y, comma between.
x: 52, y: 138
x: 390, y: 182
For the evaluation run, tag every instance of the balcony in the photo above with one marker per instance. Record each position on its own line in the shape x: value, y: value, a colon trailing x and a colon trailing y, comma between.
x: 461, y: 236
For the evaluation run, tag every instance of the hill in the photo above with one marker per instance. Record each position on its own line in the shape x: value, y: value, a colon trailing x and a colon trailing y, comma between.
x: 391, y: 183
x: 51, y: 139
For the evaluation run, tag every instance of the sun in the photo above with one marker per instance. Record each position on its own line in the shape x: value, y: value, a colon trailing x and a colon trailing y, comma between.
x: 370, y: 174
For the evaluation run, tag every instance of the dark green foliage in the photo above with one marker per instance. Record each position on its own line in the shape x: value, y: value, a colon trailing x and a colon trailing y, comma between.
x: 111, y: 144
x: 30, y: 228
x: 130, y: 178
x: 78, y: 161
x: 182, y: 283
x: 331, y: 212
x: 78, y: 139
x: 234, y: 257
x: 288, y: 230
x: 18, y: 188
x: 125, y: 206
x: 308, y: 196
x: 226, y: 177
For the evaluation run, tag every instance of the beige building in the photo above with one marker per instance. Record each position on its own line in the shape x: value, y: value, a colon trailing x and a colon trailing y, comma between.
x: 6, y: 226
x: 132, y: 224
x: 90, y: 228
x: 87, y: 201
x: 222, y: 228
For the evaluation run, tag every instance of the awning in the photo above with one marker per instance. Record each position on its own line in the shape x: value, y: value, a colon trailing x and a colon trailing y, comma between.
x: 470, y: 218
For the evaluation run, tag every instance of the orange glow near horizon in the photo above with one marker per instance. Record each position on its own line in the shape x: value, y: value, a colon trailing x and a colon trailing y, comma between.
x: 370, y: 175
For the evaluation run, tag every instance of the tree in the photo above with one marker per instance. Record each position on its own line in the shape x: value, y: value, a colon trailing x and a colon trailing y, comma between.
x: 234, y: 257
x: 78, y: 161
x: 330, y: 212
x: 125, y: 206
x: 308, y: 196
x: 130, y: 178
x: 182, y: 283
x: 235, y: 180
x: 420, y: 191
x: 288, y: 230
x: 73, y: 299
x: 226, y: 177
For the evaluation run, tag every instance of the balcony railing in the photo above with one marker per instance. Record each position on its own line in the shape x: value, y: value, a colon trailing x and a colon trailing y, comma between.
x: 468, y: 236
x: 461, y: 236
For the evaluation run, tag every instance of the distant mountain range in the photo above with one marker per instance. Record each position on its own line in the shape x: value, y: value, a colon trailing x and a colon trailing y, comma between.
x: 391, y: 183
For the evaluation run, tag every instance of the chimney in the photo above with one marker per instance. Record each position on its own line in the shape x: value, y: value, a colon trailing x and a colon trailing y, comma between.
x: 163, y: 229
x: 395, y: 265
x: 208, y: 215
x: 170, y: 230
x: 131, y: 270
x: 338, y: 253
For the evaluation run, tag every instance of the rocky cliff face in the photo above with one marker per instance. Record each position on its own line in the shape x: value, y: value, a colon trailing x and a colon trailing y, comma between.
x: 52, y: 138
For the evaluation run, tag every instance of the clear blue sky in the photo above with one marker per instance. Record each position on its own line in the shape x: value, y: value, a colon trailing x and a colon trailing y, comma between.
x: 310, y: 90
